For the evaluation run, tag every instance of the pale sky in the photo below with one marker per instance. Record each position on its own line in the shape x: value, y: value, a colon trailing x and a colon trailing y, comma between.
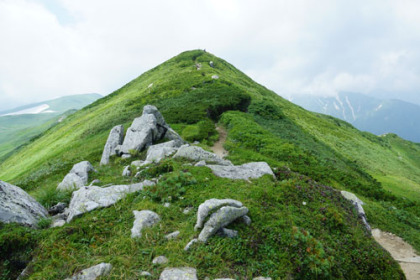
x: 54, y: 48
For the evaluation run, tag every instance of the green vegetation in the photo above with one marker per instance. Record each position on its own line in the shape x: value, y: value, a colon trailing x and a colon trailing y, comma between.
x: 313, y: 155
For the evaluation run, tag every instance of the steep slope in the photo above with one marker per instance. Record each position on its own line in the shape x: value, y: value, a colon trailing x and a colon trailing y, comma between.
x: 367, y: 113
x: 302, y: 228
x: 19, y: 125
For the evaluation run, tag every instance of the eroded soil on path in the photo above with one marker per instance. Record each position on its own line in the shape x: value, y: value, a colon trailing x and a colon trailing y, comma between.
x: 218, y: 146
x: 401, y: 251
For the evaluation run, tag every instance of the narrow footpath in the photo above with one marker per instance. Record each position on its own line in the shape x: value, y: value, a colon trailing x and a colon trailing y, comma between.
x: 401, y: 251
x: 218, y: 148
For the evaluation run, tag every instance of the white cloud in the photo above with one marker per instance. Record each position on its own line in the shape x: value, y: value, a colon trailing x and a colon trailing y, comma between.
x: 292, y: 47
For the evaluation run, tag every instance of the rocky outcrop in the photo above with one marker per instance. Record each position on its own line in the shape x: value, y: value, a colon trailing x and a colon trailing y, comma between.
x: 358, y: 205
x: 16, y: 206
x: 127, y: 171
x: 146, y: 130
x: 184, y: 273
x: 245, y: 171
x: 93, y: 272
x: 144, y: 218
x: 87, y: 199
x: 196, y: 153
x: 157, y: 152
x: 115, y: 138
x: 77, y: 177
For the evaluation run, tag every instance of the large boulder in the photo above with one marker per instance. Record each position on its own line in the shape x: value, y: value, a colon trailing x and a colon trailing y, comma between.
x: 16, y: 206
x: 210, y: 206
x: 144, y: 218
x: 245, y: 171
x: 87, y: 199
x: 218, y: 220
x: 77, y: 177
x: 157, y: 152
x: 196, y: 153
x: 181, y: 273
x: 93, y: 272
x: 115, y: 138
x: 146, y: 130
x: 357, y: 203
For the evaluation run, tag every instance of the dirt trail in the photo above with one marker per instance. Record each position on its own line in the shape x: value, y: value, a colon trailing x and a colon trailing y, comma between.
x: 401, y: 251
x: 218, y: 146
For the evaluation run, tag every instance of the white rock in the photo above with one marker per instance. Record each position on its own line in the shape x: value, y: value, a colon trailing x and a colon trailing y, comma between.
x: 187, y: 210
x: 93, y: 272
x: 181, y: 273
x: 245, y: 171
x: 172, y: 235
x: 77, y: 177
x: 16, y: 206
x: 166, y: 205
x: 220, y: 219
x: 160, y: 260
x: 87, y: 199
x: 229, y: 233
x: 156, y: 153
x: 246, y: 220
x: 198, y: 154
x: 188, y: 246
x: 209, y: 206
x: 358, y: 205
x: 127, y: 171
x: 144, y: 218
x: 146, y: 273
x: 261, y: 278
x: 201, y: 163
x: 115, y: 138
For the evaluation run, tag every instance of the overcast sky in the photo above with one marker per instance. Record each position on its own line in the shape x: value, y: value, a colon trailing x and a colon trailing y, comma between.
x: 53, y: 48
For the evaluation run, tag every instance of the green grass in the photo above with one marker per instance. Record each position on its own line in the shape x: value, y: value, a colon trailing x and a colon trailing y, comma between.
x: 313, y: 154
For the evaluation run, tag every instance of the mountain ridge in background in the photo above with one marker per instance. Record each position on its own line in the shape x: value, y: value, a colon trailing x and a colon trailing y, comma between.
x: 20, y: 124
x: 302, y: 227
x: 378, y: 116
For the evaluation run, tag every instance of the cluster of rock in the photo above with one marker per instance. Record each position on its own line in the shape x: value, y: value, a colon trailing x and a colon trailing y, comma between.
x: 145, y: 130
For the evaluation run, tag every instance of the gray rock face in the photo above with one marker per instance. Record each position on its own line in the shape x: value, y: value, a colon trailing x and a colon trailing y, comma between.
x: 16, y: 206
x: 160, y: 260
x: 198, y: 154
x: 115, y: 138
x: 172, y: 135
x: 140, y: 134
x: 77, y: 177
x: 358, y: 205
x: 181, y: 273
x: 244, y: 171
x: 87, y: 199
x: 156, y: 153
x: 220, y: 219
x: 211, y: 205
x: 144, y: 218
x: 93, y: 272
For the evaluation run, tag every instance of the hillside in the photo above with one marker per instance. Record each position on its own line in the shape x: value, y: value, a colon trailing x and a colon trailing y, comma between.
x: 19, y: 125
x: 368, y: 113
x: 301, y: 226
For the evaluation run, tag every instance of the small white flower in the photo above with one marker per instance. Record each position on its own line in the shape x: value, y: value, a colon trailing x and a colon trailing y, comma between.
x: 304, y: 203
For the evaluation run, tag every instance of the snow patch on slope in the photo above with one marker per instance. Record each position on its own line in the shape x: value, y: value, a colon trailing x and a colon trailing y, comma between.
x: 34, y: 110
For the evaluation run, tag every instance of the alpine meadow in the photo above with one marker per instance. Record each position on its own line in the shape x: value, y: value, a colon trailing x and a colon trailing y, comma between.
x: 300, y: 224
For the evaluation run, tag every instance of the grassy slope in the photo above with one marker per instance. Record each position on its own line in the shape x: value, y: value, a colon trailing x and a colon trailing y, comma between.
x: 330, y: 151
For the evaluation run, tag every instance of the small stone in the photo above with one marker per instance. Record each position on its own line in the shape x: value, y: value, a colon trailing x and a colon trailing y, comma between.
x: 261, y: 278
x: 93, y: 272
x: 146, y: 273
x: 137, y: 163
x: 58, y: 223
x: 211, y: 64
x: 167, y: 205
x: 172, y: 235
x: 187, y: 210
x: 181, y: 273
x: 127, y: 171
x: 186, y: 248
x: 229, y: 233
x: 144, y: 218
x: 160, y: 260
x: 125, y: 156
x: 58, y: 208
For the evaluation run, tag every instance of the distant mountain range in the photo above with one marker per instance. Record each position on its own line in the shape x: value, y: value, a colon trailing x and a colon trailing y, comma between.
x: 20, y: 124
x: 367, y: 113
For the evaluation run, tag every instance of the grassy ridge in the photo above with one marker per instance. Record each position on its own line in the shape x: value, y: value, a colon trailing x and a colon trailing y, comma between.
x: 305, y: 147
